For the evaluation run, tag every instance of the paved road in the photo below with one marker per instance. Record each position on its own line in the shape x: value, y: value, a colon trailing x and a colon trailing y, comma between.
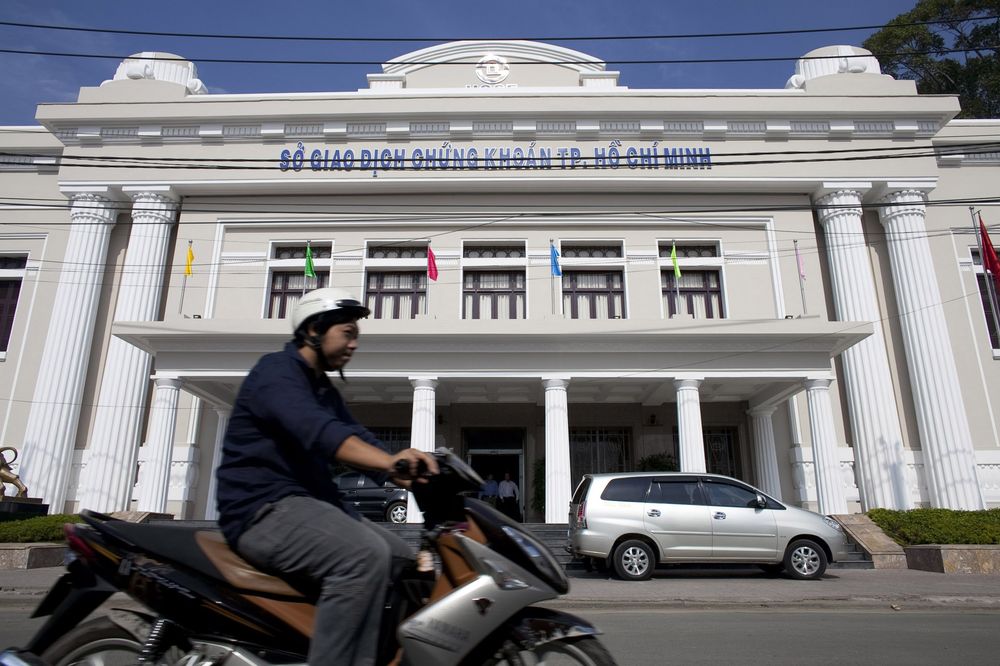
x: 802, y: 638
x: 762, y: 637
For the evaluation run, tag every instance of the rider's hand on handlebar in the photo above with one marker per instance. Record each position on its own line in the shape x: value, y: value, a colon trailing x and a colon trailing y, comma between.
x: 412, y: 464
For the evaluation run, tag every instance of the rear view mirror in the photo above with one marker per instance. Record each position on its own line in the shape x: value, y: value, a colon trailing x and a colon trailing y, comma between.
x: 761, y: 501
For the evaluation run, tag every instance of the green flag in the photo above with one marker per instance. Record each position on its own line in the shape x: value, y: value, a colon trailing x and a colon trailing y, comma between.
x: 310, y: 271
x: 673, y: 260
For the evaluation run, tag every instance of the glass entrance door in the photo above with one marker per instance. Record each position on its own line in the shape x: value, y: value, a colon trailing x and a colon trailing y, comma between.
x: 498, y: 452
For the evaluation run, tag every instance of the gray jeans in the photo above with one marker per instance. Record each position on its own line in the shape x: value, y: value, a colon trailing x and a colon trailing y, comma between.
x: 349, y: 563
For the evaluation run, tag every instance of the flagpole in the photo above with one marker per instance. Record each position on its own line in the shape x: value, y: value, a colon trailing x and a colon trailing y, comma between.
x: 184, y: 281
x: 552, y: 278
x: 802, y: 277
x: 427, y: 281
x: 677, y: 282
x: 305, y: 271
x: 987, y: 274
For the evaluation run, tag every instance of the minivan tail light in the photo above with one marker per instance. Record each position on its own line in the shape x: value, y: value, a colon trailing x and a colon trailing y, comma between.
x: 581, y: 515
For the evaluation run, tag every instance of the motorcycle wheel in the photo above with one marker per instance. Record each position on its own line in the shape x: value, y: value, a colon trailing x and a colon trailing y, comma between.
x: 582, y: 651
x: 99, y: 641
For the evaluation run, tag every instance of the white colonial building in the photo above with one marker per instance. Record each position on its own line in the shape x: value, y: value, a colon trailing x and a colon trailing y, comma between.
x: 826, y: 340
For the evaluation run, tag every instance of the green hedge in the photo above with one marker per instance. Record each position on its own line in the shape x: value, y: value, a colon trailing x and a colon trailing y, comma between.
x: 39, y: 528
x: 939, y: 526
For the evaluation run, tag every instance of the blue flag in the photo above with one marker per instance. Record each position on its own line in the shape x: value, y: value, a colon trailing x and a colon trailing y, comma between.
x: 554, y: 257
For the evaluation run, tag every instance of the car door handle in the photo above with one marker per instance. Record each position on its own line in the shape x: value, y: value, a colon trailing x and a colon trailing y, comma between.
x: 719, y: 515
x: 653, y: 513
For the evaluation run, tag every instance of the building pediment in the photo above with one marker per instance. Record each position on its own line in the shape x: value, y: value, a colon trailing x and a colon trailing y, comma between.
x: 493, y: 64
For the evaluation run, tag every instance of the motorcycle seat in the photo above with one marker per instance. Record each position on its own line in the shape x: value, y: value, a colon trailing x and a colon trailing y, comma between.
x: 238, y: 572
x: 204, y: 550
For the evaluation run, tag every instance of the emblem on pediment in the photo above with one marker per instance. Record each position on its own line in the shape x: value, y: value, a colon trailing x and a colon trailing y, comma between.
x: 492, y: 68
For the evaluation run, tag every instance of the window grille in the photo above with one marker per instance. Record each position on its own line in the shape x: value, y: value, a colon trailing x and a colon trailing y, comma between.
x: 700, y: 293
x: 599, y: 449
x: 590, y: 251
x: 396, y: 295
x: 493, y: 295
x: 593, y: 294
x: 287, y: 288
x: 697, y: 251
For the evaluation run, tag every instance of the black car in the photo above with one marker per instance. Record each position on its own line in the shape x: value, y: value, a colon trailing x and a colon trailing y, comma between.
x: 375, y: 502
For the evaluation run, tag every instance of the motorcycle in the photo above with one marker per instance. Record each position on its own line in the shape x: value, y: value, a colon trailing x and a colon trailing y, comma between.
x: 203, y: 605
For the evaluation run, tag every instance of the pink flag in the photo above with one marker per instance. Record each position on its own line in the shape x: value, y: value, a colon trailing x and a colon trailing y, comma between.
x: 432, y: 267
x: 798, y: 260
x: 990, y: 260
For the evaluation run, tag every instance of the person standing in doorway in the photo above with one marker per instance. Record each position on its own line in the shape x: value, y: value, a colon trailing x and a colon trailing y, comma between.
x: 490, y: 491
x: 509, y: 496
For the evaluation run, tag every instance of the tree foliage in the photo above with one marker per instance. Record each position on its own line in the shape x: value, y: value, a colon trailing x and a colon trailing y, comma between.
x: 964, y: 24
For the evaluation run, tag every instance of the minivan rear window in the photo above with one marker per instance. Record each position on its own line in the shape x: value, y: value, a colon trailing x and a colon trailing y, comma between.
x: 581, y: 490
x: 627, y: 489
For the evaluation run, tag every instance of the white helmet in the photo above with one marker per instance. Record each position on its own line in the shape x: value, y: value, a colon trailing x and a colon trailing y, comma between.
x: 328, y: 299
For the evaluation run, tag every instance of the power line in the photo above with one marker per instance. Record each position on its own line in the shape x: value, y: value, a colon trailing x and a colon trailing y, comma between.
x: 939, y: 149
x: 672, y: 61
x: 303, y: 38
x: 613, y: 161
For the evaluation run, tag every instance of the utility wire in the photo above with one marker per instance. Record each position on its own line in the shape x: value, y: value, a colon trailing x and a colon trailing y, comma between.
x: 588, y: 163
x: 673, y: 61
x: 938, y: 149
x: 302, y: 38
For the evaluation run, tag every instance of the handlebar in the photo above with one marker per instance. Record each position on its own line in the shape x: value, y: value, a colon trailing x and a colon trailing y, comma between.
x: 402, y: 469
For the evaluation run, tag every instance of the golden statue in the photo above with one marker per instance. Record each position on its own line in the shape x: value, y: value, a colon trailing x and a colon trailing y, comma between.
x: 7, y: 474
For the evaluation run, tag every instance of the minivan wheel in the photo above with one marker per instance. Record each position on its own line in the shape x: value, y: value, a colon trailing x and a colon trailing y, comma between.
x: 396, y: 513
x: 634, y: 560
x: 805, y: 560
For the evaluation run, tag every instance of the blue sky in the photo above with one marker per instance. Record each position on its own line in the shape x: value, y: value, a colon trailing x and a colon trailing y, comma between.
x: 27, y: 80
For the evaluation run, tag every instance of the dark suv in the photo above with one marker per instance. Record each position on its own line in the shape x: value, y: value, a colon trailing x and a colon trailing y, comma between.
x: 375, y: 502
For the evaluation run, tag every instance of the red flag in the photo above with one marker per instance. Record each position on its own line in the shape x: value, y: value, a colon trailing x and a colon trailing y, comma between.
x: 990, y: 260
x: 432, y: 267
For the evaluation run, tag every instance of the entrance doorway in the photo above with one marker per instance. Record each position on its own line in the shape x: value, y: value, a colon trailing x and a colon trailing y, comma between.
x: 497, y: 451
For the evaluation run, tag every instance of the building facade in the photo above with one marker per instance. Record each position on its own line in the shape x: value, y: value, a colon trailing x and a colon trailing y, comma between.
x: 779, y: 285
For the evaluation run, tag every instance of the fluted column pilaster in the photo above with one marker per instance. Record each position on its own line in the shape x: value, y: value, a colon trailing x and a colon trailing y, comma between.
x: 222, y: 416
x: 765, y: 452
x: 558, y: 480
x: 691, y: 447
x: 106, y: 484
x: 871, y: 401
x: 829, y: 486
x: 949, y: 454
x: 51, y: 430
x: 160, y: 440
x: 421, y: 429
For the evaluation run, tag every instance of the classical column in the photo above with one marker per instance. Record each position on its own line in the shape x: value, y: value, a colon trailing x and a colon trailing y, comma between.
x: 871, y: 401
x: 558, y: 483
x: 937, y: 395
x: 50, y: 434
x: 829, y: 485
x: 691, y: 448
x: 160, y: 440
x: 106, y: 483
x: 421, y: 430
x: 222, y: 414
x: 764, y: 450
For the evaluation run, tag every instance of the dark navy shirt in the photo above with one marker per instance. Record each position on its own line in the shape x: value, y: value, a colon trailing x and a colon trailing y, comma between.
x: 284, y: 430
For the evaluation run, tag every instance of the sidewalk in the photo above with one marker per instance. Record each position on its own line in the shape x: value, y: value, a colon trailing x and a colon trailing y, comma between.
x: 676, y: 587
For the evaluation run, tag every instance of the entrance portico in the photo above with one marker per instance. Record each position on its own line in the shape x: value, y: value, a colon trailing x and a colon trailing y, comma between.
x: 457, y: 377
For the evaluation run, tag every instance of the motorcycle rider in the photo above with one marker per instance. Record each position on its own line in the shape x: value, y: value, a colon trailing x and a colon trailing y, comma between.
x: 279, y: 507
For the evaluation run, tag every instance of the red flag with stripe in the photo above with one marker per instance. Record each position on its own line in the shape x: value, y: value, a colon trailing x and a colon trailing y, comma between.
x: 990, y: 260
x: 432, y: 267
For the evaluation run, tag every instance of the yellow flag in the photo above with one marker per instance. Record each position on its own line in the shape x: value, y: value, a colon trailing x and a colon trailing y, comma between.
x: 190, y: 260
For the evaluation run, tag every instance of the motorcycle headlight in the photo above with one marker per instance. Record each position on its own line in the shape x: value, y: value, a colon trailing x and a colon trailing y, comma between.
x: 541, y: 559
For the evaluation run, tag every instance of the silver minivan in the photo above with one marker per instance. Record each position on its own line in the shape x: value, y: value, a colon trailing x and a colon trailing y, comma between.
x: 631, y: 522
